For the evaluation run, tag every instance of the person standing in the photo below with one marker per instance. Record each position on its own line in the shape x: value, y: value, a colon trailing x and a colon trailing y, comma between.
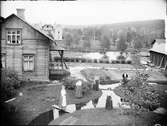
x: 78, y: 91
x: 63, y: 99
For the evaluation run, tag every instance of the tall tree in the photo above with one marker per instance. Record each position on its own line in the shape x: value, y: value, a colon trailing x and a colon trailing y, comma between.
x: 68, y: 40
x: 105, y: 42
x: 121, y: 44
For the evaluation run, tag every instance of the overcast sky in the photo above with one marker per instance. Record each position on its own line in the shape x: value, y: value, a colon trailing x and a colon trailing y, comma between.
x: 87, y: 12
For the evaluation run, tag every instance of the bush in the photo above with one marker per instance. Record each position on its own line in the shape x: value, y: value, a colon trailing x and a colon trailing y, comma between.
x: 123, y: 61
x: 138, y: 91
x: 165, y: 73
x: 83, y: 60
x: 117, y: 61
x: 9, y: 83
x: 70, y: 84
x: 129, y: 62
x: 95, y: 61
x: 121, y: 58
x: 114, y: 61
x: 89, y: 60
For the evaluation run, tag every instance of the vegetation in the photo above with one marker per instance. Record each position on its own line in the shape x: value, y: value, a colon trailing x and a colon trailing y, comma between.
x: 10, y: 82
x: 140, y: 94
x: 104, y: 76
x: 115, y: 36
x: 70, y: 84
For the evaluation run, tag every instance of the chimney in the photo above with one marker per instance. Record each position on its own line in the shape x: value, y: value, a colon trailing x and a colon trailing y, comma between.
x: 20, y: 13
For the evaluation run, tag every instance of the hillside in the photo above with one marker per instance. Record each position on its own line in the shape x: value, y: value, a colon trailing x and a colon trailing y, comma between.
x: 117, y: 36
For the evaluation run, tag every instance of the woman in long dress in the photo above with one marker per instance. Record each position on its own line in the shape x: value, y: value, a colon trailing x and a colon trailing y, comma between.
x: 78, y: 90
x: 63, y: 99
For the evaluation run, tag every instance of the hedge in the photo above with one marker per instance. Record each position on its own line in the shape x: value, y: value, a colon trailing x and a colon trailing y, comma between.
x: 10, y: 82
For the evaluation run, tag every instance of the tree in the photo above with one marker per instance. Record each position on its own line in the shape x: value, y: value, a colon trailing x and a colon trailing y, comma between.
x: 68, y: 40
x: 105, y: 42
x: 121, y: 44
x: 138, y: 45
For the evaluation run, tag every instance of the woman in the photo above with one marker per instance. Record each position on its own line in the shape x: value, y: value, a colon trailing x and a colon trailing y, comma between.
x: 63, y: 99
x: 78, y: 91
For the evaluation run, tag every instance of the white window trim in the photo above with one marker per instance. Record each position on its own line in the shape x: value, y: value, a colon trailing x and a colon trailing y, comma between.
x: 28, y: 62
x: 11, y: 30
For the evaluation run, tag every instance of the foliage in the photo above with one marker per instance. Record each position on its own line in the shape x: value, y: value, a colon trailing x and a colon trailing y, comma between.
x: 121, y: 44
x: 105, y: 42
x: 70, y: 84
x: 10, y: 82
x: 121, y: 58
x: 138, y: 34
x: 140, y: 94
x: 165, y: 73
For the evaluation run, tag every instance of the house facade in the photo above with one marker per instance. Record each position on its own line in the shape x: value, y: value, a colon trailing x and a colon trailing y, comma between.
x: 24, y: 48
x: 158, y: 54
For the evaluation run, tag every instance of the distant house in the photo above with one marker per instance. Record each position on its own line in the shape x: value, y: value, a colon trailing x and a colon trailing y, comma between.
x: 24, y: 48
x: 158, y: 54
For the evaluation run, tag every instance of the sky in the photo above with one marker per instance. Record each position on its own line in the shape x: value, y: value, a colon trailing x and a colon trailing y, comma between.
x: 87, y: 12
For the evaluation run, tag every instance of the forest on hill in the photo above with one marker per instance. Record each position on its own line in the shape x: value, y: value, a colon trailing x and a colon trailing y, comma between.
x: 119, y: 36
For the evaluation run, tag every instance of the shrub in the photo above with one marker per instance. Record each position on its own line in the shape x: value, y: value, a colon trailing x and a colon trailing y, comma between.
x: 129, y: 62
x: 101, y: 61
x: 114, y: 61
x: 83, y: 60
x: 165, y: 73
x: 70, y: 84
x: 117, y: 61
x: 123, y: 61
x: 121, y: 57
x: 72, y: 59
x: 89, y: 60
x: 139, y: 92
x: 9, y: 83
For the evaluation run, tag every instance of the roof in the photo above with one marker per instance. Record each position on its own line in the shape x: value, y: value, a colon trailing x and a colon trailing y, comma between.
x: 159, y: 46
x: 38, y: 30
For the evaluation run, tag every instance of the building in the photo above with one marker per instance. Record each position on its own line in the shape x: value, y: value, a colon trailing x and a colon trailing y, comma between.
x: 24, y: 48
x: 158, y: 54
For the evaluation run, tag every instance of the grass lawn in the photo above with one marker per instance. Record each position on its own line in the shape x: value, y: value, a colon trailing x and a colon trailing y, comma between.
x: 35, y: 100
x: 38, y: 99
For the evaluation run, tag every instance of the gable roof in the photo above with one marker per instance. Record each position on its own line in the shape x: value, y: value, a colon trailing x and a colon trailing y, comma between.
x: 159, y: 46
x: 38, y: 30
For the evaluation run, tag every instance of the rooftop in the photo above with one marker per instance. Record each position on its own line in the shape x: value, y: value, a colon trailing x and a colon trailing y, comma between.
x: 159, y: 46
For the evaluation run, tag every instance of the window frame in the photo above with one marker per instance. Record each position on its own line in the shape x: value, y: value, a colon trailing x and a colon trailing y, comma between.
x: 11, y: 30
x: 23, y: 61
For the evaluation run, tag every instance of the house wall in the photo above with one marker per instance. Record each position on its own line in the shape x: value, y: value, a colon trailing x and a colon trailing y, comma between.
x: 157, y: 57
x: 33, y: 42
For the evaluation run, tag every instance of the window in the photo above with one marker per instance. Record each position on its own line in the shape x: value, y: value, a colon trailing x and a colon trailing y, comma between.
x: 14, y: 36
x: 28, y: 62
x: 3, y: 60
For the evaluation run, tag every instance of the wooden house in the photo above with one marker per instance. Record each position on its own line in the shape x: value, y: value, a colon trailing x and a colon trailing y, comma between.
x: 24, y: 48
x: 158, y: 54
